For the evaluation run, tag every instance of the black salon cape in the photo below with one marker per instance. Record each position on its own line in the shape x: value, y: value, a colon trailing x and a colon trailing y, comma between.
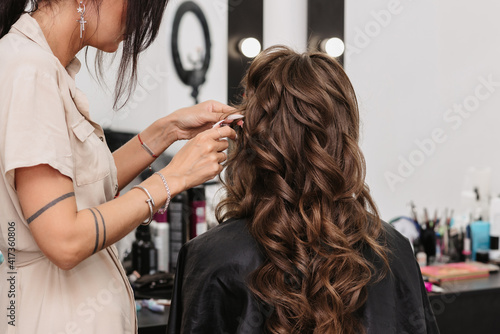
x: 211, y: 297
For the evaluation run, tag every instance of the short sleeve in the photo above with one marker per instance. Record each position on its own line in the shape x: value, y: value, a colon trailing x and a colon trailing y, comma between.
x: 35, y: 122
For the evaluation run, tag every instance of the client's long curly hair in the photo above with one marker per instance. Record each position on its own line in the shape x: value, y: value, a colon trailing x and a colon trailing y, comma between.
x: 296, y: 173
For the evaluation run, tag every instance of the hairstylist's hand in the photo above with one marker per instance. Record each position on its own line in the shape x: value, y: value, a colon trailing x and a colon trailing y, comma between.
x: 200, y: 159
x: 192, y: 120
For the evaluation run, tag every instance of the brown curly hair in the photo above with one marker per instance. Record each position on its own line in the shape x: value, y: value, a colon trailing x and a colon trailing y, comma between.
x: 296, y: 173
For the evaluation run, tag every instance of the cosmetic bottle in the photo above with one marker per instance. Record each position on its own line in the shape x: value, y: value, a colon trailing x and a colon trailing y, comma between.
x: 161, y: 240
x: 197, y: 202
x: 178, y: 219
x: 494, y: 229
x: 480, y: 237
x: 144, y: 253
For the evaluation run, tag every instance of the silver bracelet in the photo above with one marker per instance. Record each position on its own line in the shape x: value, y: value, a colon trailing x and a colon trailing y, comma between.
x: 163, y: 209
x: 151, y: 204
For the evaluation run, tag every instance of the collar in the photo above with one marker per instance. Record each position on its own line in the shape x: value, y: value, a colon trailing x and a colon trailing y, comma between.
x: 73, y: 67
x: 29, y: 27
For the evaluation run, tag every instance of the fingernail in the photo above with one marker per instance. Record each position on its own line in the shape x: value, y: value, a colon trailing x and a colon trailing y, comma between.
x: 234, y: 117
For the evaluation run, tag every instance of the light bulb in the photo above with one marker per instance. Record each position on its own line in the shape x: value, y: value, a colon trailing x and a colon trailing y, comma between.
x: 335, y: 47
x: 250, y: 47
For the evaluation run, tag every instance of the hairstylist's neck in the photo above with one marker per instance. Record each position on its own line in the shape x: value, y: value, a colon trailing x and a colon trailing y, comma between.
x: 59, y: 26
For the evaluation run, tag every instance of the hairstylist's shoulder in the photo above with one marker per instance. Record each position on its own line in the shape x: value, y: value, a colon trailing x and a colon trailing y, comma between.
x: 23, y: 57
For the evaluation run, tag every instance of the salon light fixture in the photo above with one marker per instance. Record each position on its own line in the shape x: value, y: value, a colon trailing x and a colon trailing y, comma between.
x: 335, y: 47
x: 250, y: 47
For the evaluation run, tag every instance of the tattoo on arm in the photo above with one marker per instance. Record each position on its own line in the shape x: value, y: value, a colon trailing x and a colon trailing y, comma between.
x: 96, y: 231
x: 103, y: 229
x: 96, y: 220
x: 48, y: 206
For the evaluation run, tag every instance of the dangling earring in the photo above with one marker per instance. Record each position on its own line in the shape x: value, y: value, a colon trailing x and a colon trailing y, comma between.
x: 81, y: 11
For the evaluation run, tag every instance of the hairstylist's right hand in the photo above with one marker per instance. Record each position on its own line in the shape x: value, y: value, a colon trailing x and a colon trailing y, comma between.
x: 200, y: 159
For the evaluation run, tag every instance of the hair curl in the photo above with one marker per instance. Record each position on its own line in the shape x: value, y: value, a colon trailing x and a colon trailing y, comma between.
x: 296, y: 173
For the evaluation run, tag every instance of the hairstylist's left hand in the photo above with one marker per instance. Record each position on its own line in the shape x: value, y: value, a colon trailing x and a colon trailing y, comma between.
x: 192, y: 120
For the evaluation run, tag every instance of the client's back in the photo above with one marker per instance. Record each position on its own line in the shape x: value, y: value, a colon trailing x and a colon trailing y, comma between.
x: 301, y: 248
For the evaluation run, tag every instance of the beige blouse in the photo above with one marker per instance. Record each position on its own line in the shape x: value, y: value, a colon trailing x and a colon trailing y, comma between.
x: 44, y: 119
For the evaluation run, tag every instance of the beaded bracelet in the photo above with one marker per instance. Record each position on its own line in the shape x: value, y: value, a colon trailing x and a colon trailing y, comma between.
x: 167, y: 202
x: 151, y: 204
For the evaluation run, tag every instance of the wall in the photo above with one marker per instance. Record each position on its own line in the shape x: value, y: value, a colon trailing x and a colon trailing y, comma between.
x: 285, y: 22
x: 427, y: 80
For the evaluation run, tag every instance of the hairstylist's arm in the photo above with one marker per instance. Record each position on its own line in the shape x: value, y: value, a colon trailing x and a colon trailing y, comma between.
x: 131, y: 159
x: 68, y: 236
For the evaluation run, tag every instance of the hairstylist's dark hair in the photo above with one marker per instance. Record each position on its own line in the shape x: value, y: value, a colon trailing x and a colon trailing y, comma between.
x: 143, y: 19
x: 11, y: 11
x: 143, y: 23
x: 296, y: 173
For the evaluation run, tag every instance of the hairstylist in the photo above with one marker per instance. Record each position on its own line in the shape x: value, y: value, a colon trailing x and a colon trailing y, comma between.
x: 58, y: 215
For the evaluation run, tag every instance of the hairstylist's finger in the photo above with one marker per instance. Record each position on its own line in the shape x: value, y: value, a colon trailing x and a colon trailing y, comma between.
x: 221, y: 108
x: 233, y: 118
x: 221, y: 145
x: 223, y: 157
x: 222, y: 132
x: 214, y: 111
x: 216, y: 146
